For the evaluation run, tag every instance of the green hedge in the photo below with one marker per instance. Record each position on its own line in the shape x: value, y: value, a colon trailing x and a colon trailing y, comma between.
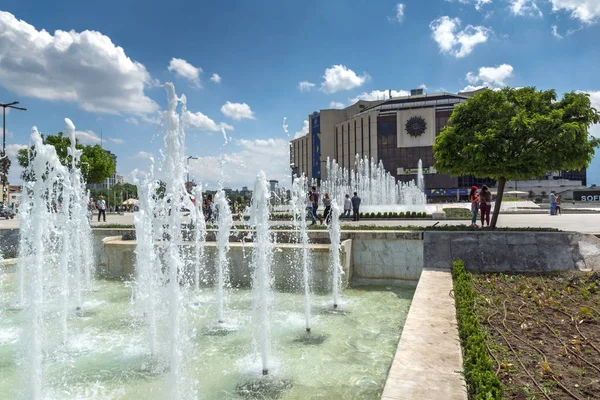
x: 482, y: 382
x: 458, y: 213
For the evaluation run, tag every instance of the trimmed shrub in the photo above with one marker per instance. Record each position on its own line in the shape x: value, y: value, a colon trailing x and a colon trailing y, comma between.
x: 402, y: 214
x: 360, y: 215
x: 372, y: 215
x: 482, y: 382
x: 413, y: 214
x: 385, y: 214
x: 378, y: 215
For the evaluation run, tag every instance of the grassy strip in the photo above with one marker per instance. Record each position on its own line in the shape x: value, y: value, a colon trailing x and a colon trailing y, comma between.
x: 482, y: 382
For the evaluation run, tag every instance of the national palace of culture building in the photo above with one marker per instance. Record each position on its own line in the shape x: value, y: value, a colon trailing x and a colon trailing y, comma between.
x: 398, y: 131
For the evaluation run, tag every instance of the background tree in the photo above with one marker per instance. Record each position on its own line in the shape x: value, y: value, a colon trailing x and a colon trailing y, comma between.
x: 517, y: 134
x: 95, y: 163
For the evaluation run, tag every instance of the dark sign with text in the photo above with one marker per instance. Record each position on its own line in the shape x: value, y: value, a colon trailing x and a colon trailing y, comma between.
x: 586, y: 195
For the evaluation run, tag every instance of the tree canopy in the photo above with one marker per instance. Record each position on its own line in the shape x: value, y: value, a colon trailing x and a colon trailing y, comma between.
x: 95, y: 163
x: 517, y: 134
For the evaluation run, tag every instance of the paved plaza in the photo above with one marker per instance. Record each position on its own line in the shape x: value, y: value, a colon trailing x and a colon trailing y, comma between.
x: 586, y: 223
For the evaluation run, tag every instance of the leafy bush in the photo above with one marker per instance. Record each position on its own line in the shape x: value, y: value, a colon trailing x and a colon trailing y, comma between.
x: 360, y: 215
x: 482, y: 382
x: 401, y: 214
x: 458, y: 213
x: 379, y: 215
x: 372, y: 215
x: 385, y: 214
x: 413, y: 214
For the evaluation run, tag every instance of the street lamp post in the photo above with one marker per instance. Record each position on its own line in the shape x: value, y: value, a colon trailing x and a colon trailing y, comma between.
x: 4, y: 176
x: 188, y: 171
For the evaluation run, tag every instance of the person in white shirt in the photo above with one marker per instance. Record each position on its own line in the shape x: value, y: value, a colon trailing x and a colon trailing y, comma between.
x: 347, y: 207
x: 101, y: 205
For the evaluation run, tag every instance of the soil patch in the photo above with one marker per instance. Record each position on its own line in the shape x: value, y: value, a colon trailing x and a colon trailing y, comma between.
x: 543, y: 333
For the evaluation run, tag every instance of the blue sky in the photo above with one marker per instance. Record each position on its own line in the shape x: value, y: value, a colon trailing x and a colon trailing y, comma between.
x: 101, y: 64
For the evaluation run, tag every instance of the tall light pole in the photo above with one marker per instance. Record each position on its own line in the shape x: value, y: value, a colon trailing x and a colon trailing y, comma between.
x: 3, y: 155
x: 188, y: 172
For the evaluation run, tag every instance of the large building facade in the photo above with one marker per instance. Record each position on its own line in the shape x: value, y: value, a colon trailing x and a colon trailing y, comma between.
x: 398, y: 131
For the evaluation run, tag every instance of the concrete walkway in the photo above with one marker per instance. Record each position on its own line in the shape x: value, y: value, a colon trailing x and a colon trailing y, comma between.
x: 428, y: 361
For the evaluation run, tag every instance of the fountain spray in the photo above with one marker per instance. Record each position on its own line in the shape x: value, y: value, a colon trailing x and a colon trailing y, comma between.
x: 224, y: 222
x: 262, y: 256
x: 300, y: 201
x: 334, y: 251
x: 175, y: 199
x: 199, y: 237
x: 145, y: 252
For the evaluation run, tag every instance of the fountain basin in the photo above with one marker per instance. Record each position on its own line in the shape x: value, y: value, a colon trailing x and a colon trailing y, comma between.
x: 287, y: 272
x: 106, y: 355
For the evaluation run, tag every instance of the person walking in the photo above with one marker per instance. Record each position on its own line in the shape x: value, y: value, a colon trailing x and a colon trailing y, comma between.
x: 553, y: 203
x: 309, y: 208
x: 355, y: 206
x: 485, y: 205
x: 91, y: 207
x: 315, y: 203
x: 558, y: 212
x: 101, y: 206
x: 327, y: 211
x: 347, y: 207
x: 474, y: 199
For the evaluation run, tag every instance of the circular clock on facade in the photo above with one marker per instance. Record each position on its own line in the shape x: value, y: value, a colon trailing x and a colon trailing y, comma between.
x: 415, y: 126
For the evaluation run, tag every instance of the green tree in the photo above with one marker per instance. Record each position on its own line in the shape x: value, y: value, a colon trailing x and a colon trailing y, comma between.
x: 517, y: 134
x: 95, y: 163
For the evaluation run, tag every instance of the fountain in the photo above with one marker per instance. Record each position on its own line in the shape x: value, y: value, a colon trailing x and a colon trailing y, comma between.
x: 334, y: 252
x: 146, y: 336
x: 224, y: 222
x: 146, y: 282
x: 199, y: 237
x: 261, y: 262
x: 377, y: 188
x: 53, y: 232
x: 299, y: 205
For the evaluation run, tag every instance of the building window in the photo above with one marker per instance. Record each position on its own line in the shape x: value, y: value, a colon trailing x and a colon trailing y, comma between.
x: 342, y: 163
x: 369, y: 133
x: 349, y: 153
x: 336, y: 144
x: 362, y: 138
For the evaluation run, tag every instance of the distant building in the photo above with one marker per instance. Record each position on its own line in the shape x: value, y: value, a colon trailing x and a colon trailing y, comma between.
x: 398, y: 131
x: 14, y: 196
x: 273, y: 185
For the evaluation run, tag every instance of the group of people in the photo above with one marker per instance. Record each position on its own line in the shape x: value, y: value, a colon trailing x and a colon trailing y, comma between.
x: 99, y: 205
x: 554, y: 203
x: 481, y: 201
x: 350, y: 204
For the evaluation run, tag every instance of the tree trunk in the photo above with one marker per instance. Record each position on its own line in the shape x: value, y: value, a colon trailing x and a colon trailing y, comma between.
x: 499, y: 195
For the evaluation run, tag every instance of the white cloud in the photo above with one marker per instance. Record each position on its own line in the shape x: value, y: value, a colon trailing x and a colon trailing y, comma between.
x: 242, y: 165
x: 203, y: 123
x: 472, y: 88
x: 555, y: 32
x: 491, y: 76
x: 12, y: 150
x: 379, y: 95
x: 143, y: 155
x: 305, y: 86
x: 84, y: 68
x: 237, y: 111
x: 339, y: 77
x: 595, y: 100
x: 87, y: 137
x: 478, y: 3
x: 185, y: 70
x: 215, y: 78
x: 303, y: 131
x: 423, y: 86
x: 132, y: 121
x: 14, y: 173
x: 116, y: 140
x: 525, y: 8
x: 399, y: 12
x: 451, y: 40
x: 337, y: 105
x: 587, y: 11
